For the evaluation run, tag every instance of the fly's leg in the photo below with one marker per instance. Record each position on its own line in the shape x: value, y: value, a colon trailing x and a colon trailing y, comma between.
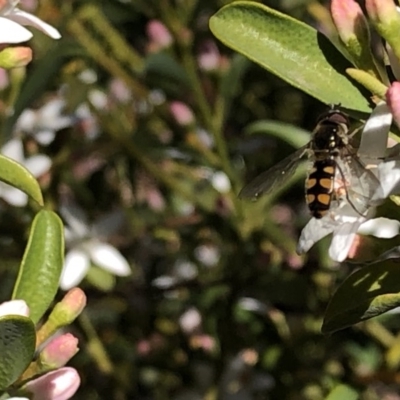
x: 342, y: 190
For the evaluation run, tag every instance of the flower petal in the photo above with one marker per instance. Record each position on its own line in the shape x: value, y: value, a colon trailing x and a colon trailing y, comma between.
x: 55, y: 385
x: 76, y: 219
x: 38, y: 164
x: 51, y: 111
x: 384, y: 228
x: 45, y: 137
x: 12, y: 32
x: 109, y: 258
x: 342, y: 240
x: 26, y: 121
x: 389, y: 179
x: 14, y: 307
x: 13, y: 149
x: 76, y: 265
x: 375, y: 134
x: 315, y: 230
x: 13, y: 196
x: 25, y: 18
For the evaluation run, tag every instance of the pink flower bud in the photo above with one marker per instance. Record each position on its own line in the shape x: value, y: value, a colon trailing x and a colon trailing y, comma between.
x: 14, y: 57
x: 393, y: 101
x: 182, y: 113
x: 63, y: 314
x: 74, y: 302
x: 3, y: 5
x: 385, y: 18
x: 349, y: 19
x: 120, y: 90
x: 203, y: 341
x: 55, y: 385
x: 353, y: 30
x: 381, y: 11
x: 59, y: 351
x: 29, y: 5
x: 209, y: 56
x: 159, y: 35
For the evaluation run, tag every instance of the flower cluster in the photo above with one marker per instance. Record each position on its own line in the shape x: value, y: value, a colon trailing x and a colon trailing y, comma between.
x: 42, y: 357
x: 12, y: 31
x: 47, y: 377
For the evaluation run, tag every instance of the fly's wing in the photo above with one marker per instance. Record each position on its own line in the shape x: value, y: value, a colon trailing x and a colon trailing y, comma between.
x: 361, y: 185
x: 275, y: 176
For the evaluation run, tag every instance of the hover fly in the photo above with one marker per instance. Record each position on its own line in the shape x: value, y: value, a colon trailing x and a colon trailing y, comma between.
x: 337, y: 172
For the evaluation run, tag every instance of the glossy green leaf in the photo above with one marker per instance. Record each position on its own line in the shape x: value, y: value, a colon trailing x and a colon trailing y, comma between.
x: 290, y: 49
x: 17, y: 346
x: 18, y: 176
x: 367, y: 293
x: 291, y: 134
x: 342, y: 392
x: 42, y: 263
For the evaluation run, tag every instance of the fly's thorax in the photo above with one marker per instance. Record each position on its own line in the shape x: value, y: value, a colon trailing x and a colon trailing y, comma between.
x: 329, y: 137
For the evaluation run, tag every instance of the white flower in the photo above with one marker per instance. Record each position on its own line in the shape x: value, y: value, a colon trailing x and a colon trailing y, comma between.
x: 17, y: 398
x: 14, y: 307
x: 190, y: 320
x: 344, y: 222
x: 37, y: 165
x: 87, y: 121
x: 12, y: 19
x: 220, y: 182
x: 86, y: 246
x: 44, y: 122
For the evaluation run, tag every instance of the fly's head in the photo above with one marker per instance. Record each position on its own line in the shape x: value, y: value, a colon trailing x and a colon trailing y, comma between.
x: 337, y: 123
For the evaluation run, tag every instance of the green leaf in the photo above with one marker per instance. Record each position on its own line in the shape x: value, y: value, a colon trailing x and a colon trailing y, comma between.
x: 290, y: 49
x: 291, y: 134
x: 367, y: 293
x: 18, y: 176
x: 342, y: 392
x: 41, y: 265
x: 17, y: 347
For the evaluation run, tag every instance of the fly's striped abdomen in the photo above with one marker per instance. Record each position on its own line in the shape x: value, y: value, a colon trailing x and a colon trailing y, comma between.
x: 319, y: 187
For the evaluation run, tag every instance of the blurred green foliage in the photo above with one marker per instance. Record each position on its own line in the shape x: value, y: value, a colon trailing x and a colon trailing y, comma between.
x: 219, y: 306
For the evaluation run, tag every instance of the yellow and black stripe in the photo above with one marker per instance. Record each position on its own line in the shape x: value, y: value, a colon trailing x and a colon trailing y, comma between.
x: 319, y: 187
